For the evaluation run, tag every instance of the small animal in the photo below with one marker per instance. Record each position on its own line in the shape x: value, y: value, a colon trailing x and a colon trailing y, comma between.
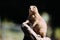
x: 38, y: 23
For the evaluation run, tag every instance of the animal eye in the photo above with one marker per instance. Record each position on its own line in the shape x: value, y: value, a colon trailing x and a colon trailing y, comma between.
x: 34, y: 7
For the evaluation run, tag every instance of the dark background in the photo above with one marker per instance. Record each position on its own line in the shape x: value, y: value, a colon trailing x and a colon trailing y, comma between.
x: 17, y: 10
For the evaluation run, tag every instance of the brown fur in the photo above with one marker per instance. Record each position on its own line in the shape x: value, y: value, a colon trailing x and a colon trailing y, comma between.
x: 38, y: 23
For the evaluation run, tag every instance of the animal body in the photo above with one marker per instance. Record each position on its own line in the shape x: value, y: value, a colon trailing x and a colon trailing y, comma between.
x: 38, y: 23
x: 30, y: 31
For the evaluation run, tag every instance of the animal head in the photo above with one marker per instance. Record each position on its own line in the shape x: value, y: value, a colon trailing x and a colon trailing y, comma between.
x: 33, y: 10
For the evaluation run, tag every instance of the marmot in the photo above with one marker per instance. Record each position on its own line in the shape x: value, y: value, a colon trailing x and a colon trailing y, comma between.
x: 38, y: 23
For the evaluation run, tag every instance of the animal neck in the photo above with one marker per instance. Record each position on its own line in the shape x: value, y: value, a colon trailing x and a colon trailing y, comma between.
x: 37, y: 13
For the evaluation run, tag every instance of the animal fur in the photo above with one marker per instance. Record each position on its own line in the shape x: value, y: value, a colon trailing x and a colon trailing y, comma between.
x: 30, y: 30
x: 38, y: 23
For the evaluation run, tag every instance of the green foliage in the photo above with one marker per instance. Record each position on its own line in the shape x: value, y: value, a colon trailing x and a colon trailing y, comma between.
x: 57, y: 33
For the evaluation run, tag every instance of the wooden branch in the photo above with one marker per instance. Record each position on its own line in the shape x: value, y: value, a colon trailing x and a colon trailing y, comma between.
x: 29, y: 29
x: 33, y: 33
